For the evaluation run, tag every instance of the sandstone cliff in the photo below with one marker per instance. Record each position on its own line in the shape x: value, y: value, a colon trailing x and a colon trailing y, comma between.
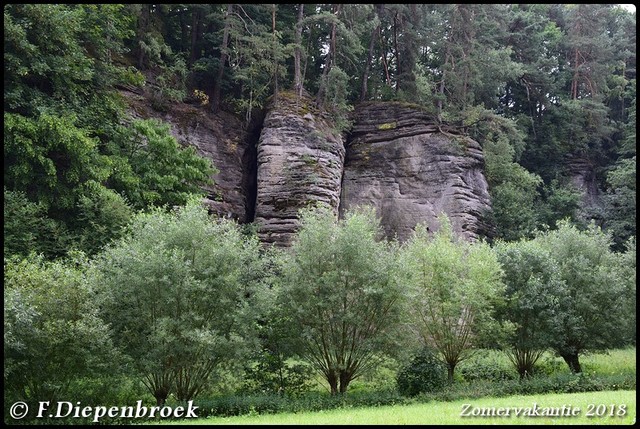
x: 395, y: 158
x: 411, y: 170
x: 300, y: 162
x: 220, y: 138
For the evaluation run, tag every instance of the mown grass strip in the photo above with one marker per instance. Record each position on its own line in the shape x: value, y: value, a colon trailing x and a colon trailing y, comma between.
x: 603, y: 403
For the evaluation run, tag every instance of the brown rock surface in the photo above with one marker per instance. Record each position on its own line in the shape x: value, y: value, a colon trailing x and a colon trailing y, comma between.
x: 411, y: 170
x: 398, y: 160
x: 300, y: 159
x: 220, y: 138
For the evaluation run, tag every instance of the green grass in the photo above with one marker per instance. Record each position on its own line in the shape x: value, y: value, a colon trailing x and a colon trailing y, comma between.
x: 608, y: 376
x: 450, y: 412
x: 614, y: 362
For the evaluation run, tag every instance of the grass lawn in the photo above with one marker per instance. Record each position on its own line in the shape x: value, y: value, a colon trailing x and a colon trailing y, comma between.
x: 600, y: 404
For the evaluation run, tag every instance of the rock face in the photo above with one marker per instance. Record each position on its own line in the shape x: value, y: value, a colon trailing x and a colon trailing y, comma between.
x: 583, y: 176
x: 400, y: 162
x: 300, y: 161
x: 220, y: 138
x: 397, y: 160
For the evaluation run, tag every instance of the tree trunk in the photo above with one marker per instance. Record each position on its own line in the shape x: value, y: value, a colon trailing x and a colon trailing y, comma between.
x: 195, y: 24
x: 576, y: 77
x: 573, y: 361
x: 297, y: 53
x: 384, y: 57
x: 275, y: 56
x: 329, y: 60
x: 367, y: 67
x: 161, y: 397
x: 395, y: 48
x: 332, y: 379
x: 450, y: 370
x: 345, y: 379
x: 215, y: 99
x: 184, y: 33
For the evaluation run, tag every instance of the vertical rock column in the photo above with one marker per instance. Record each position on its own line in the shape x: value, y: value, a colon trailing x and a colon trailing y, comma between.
x: 300, y: 160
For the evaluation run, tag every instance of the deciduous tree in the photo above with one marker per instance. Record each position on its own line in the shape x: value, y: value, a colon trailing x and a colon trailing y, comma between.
x: 177, y: 293
x: 592, y: 306
x: 340, y: 289
x: 453, y: 286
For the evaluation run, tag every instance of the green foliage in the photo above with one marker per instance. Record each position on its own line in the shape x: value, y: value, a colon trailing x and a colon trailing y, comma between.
x: 61, y: 114
x: 171, y: 84
x: 487, y: 365
x: 336, y: 98
x: 271, y: 374
x: 60, y: 61
x: 608, y: 289
x: 189, y: 284
x: 155, y: 51
x: 559, y: 201
x: 620, y: 201
x: 44, y: 59
x: 533, y: 284
x: 151, y: 168
x: 567, y: 85
x: 102, y: 217
x: 340, y: 290
x: 236, y: 405
x: 513, y: 189
x: 424, y: 374
x: 49, y: 157
x: 611, y: 362
x: 53, y: 334
x: 259, y: 51
x: 626, y: 263
x: 28, y: 229
x: 275, y: 368
x: 453, y: 286
x: 491, y: 364
x: 593, y: 305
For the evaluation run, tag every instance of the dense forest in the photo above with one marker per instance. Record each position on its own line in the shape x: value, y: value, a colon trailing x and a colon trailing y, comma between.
x: 100, y: 207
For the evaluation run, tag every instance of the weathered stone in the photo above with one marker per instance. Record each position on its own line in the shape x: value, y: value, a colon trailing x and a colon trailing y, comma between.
x: 398, y: 160
x: 401, y: 162
x: 582, y: 173
x: 220, y: 138
x: 300, y: 159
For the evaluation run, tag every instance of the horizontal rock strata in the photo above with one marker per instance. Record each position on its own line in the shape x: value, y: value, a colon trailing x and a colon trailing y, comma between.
x: 401, y: 162
x: 300, y: 161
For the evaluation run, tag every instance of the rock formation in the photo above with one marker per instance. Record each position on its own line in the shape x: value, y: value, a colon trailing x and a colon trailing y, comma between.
x: 411, y: 170
x: 398, y: 160
x: 300, y: 161
x: 220, y: 138
x: 583, y: 177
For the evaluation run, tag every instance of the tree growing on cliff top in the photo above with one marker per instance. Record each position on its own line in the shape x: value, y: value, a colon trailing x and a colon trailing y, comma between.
x: 339, y: 287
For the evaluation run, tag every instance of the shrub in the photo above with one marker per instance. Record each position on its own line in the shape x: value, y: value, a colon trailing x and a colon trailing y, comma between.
x: 425, y: 373
x: 487, y: 365
x: 271, y: 373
